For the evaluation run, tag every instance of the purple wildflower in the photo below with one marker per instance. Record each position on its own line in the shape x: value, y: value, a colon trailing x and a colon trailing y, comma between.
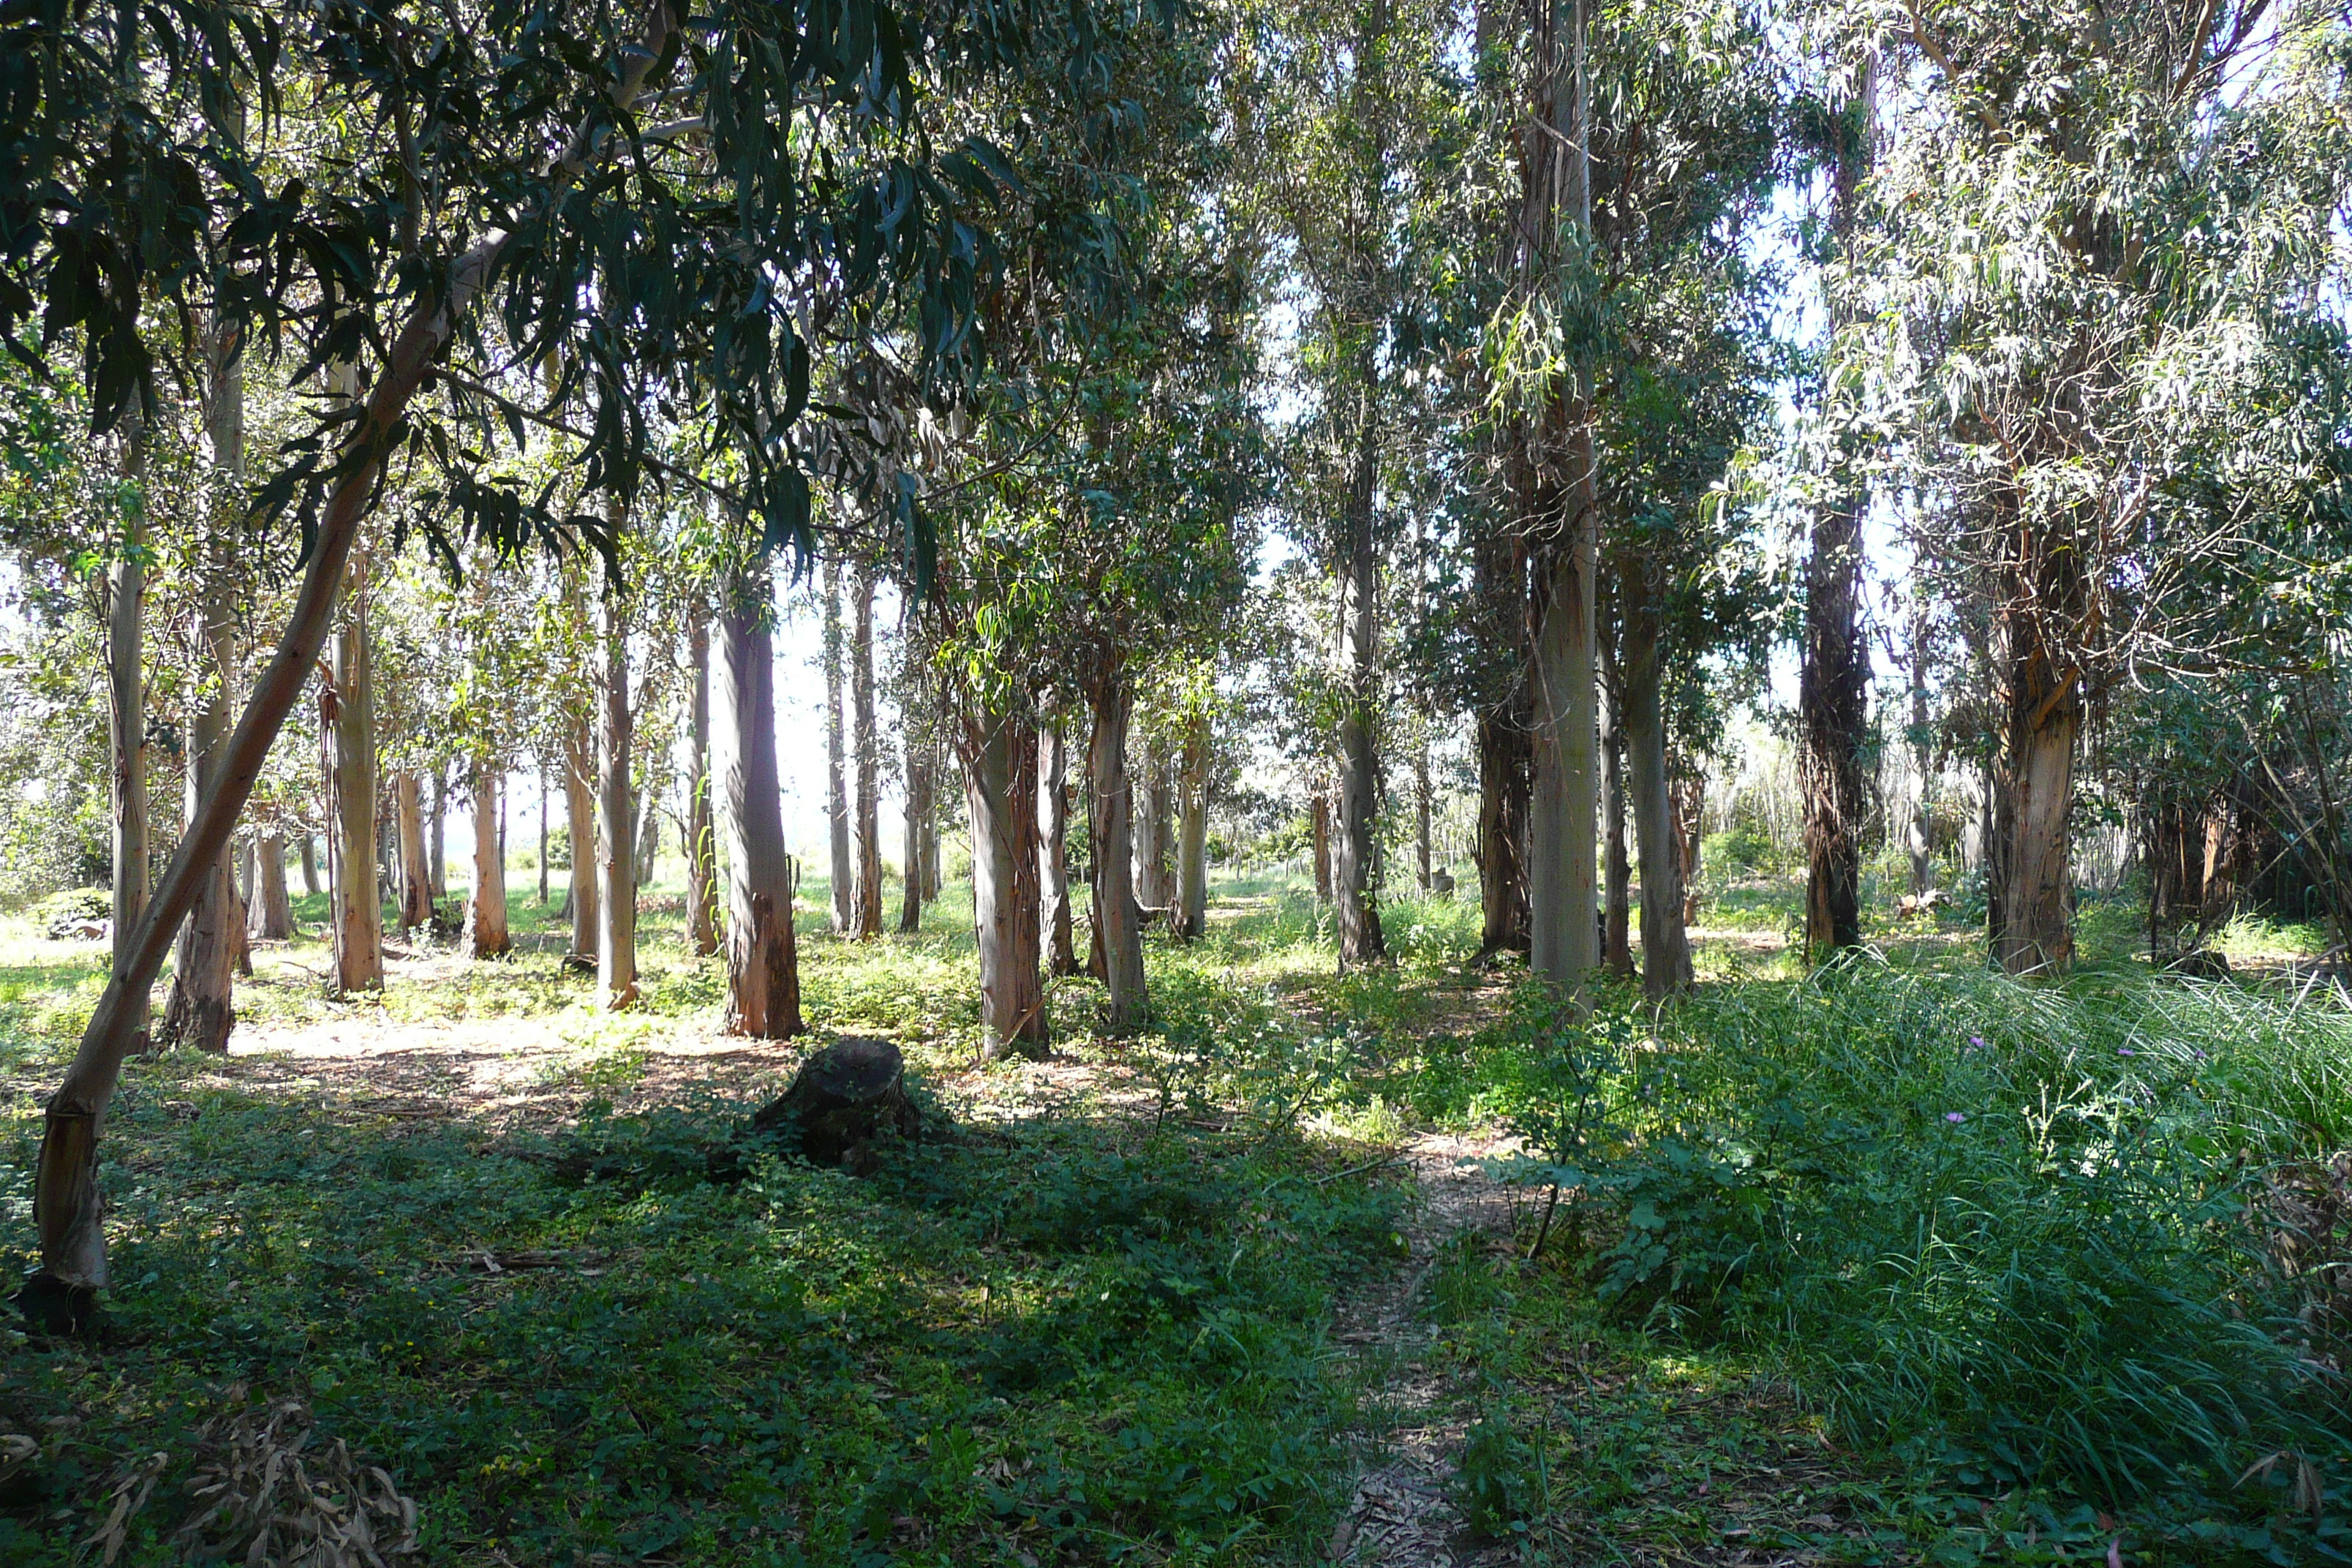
x: 1956, y: 1116
x: 2126, y: 1051
x: 1976, y: 1042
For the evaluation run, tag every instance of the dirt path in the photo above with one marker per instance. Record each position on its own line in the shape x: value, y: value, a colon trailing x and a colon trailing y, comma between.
x: 1399, y: 1515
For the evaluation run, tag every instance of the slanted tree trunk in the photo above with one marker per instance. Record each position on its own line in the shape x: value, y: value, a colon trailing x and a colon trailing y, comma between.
x: 126, y: 601
x: 1558, y: 487
x: 1666, y: 945
x: 1119, y: 927
x: 486, y: 910
x: 616, y: 817
x: 436, y: 839
x: 763, y: 984
x: 358, y: 917
x: 701, y: 846
x: 999, y: 767
x: 67, y: 1205
x: 270, y: 913
x: 837, y: 797
x: 1053, y: 809
x: 1617, y: 873
x: 1193, y: 830
x: 415, y: 900
x: 866, y: 829
x: 580, y: 815
x: 918, y: 809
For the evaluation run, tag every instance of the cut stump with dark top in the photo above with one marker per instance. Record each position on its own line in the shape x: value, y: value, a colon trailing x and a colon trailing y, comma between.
x: 847, y: 1098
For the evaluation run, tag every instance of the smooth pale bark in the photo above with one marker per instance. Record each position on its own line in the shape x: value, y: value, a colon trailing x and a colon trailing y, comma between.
x: 358, y: 915
x: 616, y: 817
x: 918, y: 809
x: 1118, y: 920
x: 200, y: 1011
x: 842, y: 885
x: 415, y: 900
x: 241, y: 924
x: 931, y: 847
x: 1617, y: 873
x: 1053, y: 813
x: 1192, y: 831
x: 310, y: 864
x: 126, y: 725
x: 1155, y: 889
x: 865, y: 835
x: 542, y: 836
x: 270, y: 911
x: 701, y: 844
x: 436, y: 846
x: 1560, y: 496
x: 580, y: 815
x: 1666, y: 945
x: 485, y: 910
x: 1355, y: 886
x: 764, y: 986
x: 1000, y: 769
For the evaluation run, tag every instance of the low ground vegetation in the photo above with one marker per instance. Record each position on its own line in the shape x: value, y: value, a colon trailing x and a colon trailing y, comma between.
x: 1898, y: 1261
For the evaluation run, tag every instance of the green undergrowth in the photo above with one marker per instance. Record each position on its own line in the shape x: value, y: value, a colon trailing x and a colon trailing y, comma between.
x: 2055, y: 1254
x: 1078, y: 1339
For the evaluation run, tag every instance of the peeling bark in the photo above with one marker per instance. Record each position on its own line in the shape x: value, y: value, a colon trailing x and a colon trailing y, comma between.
x: 1000, y: 765
x: 763, y: 987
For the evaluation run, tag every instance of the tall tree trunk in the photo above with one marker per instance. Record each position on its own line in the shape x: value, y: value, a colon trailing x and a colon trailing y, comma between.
x: 1119, y: 929
x: 764, y: 981
x: 836, y: 799
x: 616, y: 817
x: 542, y: 771
x: 1688, y: 793
x: 1053, y: 808
x: 648, y: 839
x: 1154, y: 888
x: 1834, y: 696
x: 1665, y: 946
x: 126, y: 601
x: 436, y: 839
x: 486, y: 911
x: 310, y: 864
x: 241, y: 933
x: 580, y: 815
x: 1560, y: 497
x: 1421, y: 814
x: 1000, y: 766
x: 270, y: 913
x: 932, y: 842
x: 1617, y: 873
x: 201, y: 1013
x: 415, y: 900
x: 1193, y: 830
x: 918, y: 809
x: 701, y: 847
x: 358, y: 918
x: 1355, y: 884
x: 866, y: 830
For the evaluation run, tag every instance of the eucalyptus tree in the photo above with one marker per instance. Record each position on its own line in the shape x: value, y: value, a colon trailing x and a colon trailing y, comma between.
x: 2078, y: 230
x: 1364, y: 137
x: 803, y: 142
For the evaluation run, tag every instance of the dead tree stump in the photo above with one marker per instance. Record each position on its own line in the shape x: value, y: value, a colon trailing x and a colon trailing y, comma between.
x: 846, y: 1098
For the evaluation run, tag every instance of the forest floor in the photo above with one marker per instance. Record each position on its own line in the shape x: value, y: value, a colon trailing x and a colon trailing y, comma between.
x: 1248, y: 1291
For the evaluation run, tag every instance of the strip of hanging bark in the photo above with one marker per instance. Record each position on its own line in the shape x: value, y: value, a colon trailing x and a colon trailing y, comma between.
x: 846, y: 1101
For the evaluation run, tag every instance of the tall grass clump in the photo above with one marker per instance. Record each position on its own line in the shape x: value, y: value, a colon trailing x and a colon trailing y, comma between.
x: 2033, y: 1232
